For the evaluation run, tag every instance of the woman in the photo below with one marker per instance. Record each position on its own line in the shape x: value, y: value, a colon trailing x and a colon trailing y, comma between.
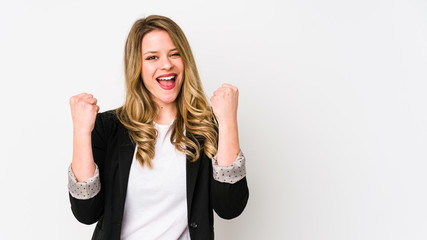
x: 156, y: 167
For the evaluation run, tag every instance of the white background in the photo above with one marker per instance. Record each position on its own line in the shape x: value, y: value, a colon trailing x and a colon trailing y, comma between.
x: 332, y: 112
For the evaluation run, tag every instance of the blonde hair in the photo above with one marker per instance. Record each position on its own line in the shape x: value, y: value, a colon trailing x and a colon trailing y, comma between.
x: 138, y: 113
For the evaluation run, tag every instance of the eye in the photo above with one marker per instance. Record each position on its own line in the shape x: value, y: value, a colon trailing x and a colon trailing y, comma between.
x: 176, y: 54
x: 151, y: 58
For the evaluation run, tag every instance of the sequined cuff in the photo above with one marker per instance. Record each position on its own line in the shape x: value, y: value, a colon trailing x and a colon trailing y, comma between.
x: 230, y: 174
x: 86, y: 189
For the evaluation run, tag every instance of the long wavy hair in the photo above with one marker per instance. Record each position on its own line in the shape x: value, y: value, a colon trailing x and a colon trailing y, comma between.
x: 194, y: 129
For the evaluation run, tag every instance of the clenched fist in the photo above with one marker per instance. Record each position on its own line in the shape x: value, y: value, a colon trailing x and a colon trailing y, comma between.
x: 224, y: 103
x: 83, y: 111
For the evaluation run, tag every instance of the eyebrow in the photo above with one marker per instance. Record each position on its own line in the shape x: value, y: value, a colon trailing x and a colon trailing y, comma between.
x: 173, y: 49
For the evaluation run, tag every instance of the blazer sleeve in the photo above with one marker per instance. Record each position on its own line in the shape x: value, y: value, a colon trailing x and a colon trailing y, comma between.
x: 90, y: 210
x: 229, y: 199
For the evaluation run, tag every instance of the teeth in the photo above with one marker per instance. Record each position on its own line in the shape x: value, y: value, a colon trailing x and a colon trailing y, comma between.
x: 166, y: 78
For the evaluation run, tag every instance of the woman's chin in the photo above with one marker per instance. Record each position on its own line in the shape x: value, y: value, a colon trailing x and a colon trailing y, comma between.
x: 166, y: 100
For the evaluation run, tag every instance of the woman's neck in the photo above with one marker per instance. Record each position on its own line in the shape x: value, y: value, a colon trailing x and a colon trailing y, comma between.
x: 166, y: 114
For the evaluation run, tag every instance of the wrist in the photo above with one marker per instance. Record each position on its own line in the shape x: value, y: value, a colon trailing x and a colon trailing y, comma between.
x: 228, y: 122
x: 80, y: 133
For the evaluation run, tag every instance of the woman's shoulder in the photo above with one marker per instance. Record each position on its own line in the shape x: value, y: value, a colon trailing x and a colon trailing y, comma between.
x: 107, y: 125
x: 109, y: 115
x: 107, y: 120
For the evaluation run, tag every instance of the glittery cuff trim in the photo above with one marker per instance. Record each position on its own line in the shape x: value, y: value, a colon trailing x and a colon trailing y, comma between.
x: 86, y: 189
x: 230, y: 174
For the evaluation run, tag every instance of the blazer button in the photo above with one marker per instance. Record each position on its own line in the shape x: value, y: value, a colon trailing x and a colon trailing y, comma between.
x: 193, y: 225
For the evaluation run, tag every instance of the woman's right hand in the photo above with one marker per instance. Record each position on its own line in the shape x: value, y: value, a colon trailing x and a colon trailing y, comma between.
x: 83, y: 111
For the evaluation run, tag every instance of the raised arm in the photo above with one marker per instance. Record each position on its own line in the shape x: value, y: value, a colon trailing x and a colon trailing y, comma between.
x: 228, y: 187
x: 224, y: 104
x: 85, y: 190
x: 83, y: 111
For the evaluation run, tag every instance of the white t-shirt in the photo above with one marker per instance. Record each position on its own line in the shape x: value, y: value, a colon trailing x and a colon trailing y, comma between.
x: 156, y: 200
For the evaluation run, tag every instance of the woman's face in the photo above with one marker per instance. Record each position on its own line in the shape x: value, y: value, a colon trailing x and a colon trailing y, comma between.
x: 162, y: 67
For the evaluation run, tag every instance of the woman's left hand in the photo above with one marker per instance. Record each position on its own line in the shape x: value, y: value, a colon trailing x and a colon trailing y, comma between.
x: 224, y: 103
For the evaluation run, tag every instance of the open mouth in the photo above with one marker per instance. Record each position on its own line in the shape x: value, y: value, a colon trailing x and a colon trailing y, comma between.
x: 168, y: 82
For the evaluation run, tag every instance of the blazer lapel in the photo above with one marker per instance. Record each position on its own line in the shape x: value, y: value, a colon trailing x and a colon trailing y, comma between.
x: 192, y: 172
x: 126, y: 152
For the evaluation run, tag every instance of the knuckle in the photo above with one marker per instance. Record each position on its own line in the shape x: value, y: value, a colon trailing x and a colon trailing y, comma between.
x: 84, y: 105
x: 80, y: 101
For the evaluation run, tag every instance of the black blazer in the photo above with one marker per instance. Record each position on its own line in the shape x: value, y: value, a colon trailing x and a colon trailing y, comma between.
x: 113, y: 153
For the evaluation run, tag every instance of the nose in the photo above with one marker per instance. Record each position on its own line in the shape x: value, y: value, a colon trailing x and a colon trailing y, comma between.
x: 166, y: 63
